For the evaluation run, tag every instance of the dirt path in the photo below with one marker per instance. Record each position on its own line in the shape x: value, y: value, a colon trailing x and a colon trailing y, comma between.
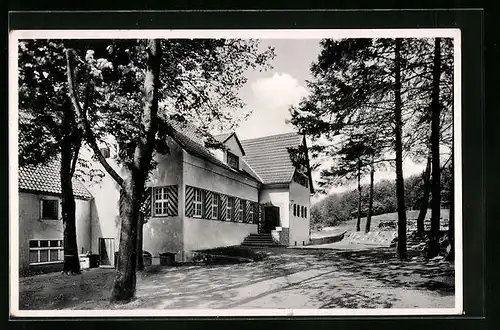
x: 287, y: 278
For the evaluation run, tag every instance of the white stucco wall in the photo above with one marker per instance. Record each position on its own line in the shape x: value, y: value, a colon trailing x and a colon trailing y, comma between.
x: 164, y: 234
x: 32, y: 227
x: 299, y: 227
x: 105, y: 208
x: 279, y: 197
x: 205, y: 234
x: 233, y: 146
x: 202, y: 233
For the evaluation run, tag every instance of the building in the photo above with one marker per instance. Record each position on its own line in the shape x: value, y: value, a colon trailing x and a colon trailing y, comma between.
x: 201, y: 197
x: 40, y: 219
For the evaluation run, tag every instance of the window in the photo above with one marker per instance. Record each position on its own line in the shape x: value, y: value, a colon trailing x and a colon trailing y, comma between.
x: 294, y: 209
x: 233, y: 160
x: 49, y: 209
x: 198, y: 203
x: 242, y: 211
x: 215, y: 207
x: 305, y: 212
x: 302, y: 211
x: 250, y: 213
x: 45, y: 251
x: 229, y: 208
x: 301, y: 179
x: 160, y: 201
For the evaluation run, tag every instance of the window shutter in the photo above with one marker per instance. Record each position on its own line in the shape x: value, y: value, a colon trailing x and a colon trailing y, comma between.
x: 248, y: 207
x: 147, y: 205
x: 223, y: 207
x: 236, y: 210
x: 207, y: 205
x: 189, y: 201
x: 173, y: 200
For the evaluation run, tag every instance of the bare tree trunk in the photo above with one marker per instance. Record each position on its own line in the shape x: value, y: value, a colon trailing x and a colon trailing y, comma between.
x: 358, y: 223
x: 370, y: 200
x: 436, y: 169
x: 140, y: 226
x: 125, y: 280
x: 71, y: 261
x: 451, y: 224
x: 400, y: 194
x: 424, y: 201
x: 133, y: 187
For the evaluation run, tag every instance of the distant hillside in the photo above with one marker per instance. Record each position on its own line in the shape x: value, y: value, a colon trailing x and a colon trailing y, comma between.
x: 337, y: 208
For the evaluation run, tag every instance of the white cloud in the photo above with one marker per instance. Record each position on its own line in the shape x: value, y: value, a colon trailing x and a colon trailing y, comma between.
x: 269, y: 102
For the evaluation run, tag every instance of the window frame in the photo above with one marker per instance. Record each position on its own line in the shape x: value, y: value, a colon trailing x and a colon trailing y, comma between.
x: 197, y: 192
x: 48, y: 248
x: 241, y: 211
x: 236, y: 159
x: 215, y: 205
x: 58, y: 210
x: 162, y: 200
x: 250, y: 213
x: 229, y: 209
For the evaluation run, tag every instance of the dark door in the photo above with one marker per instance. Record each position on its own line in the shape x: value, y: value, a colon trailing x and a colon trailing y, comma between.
x: 271, y: 218
x: 106, y: 252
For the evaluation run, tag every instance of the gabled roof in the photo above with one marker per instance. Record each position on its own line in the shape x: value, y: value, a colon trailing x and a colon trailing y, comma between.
x: 269, y: 157
x: 45, y: 178
x: 222, y: 138
x: 191, y: 140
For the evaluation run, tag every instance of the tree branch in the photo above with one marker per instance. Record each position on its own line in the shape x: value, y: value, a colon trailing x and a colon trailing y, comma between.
x: 83, y: 122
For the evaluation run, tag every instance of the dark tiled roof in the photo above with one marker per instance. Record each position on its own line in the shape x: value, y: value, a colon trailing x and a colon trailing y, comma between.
x: 45, y: 178
x: 222, y: 137
x: 191, y: 140
x: 268, y: 156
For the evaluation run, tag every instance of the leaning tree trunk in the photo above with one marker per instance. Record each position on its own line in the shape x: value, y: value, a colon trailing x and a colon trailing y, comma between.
x: 400, y: 186
x: 71, y: 262
x: 370, y: 200
x: 424, y: 201
x: 133, y: 187
x: 436, y: 169
x: 358, y: 222
x: 140, y: 259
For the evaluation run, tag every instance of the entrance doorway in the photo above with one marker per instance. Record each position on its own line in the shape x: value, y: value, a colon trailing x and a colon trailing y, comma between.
x: 271, y: 218
x: 106, y: 252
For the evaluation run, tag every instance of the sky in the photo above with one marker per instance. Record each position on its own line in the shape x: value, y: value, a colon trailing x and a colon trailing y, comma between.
x: 268, y: 95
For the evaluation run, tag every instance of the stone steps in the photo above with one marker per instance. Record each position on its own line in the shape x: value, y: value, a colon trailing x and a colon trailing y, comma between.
x: 259, y: 240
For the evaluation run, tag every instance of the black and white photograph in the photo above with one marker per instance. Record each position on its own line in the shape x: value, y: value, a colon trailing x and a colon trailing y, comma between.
x: 235, y: 172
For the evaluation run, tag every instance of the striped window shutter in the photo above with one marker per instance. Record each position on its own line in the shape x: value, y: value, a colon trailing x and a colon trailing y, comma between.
x: 223, y: 207
x: 146, y: 207
x: 189, y: 201
x: 207, y: 213
x: 173, y: 200
x: 236, y: 210
x: 248, y: 207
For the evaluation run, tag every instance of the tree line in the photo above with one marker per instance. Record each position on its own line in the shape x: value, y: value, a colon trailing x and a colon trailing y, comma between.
x: 337, y: 208
x: 373, y: 103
